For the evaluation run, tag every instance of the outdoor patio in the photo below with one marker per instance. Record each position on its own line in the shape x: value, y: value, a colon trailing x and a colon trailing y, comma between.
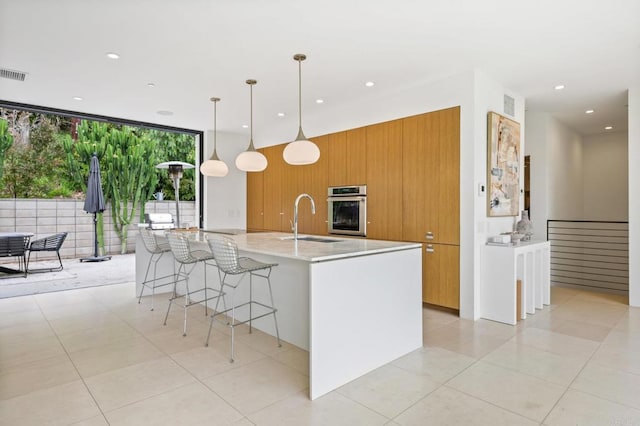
x: 120, y: 269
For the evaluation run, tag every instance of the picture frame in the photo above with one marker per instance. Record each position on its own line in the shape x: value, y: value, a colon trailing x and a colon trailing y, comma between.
x: 503, y: 166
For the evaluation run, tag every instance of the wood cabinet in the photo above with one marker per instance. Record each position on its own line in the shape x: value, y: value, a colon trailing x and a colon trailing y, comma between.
x: 316, y: 181
x: 384, y: 180
x: 347, y: 159
x: 272, y: 192
x: 441, y: 275
x: 431, y: 177
x: 255, y: 201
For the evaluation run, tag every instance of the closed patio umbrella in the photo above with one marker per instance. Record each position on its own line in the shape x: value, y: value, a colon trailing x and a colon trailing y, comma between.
x: 94, y: 203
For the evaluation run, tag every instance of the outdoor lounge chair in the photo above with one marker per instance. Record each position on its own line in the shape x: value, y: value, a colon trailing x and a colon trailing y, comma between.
x: 50, y: 243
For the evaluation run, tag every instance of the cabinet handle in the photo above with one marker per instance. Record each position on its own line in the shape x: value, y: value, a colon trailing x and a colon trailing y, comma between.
x: 281, y: 214
x: 430, y: 249
x: 429, y: 235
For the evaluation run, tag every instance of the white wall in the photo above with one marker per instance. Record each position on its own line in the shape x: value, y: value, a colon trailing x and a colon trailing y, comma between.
x: 536, y: 148
x: 225, y: 199
x: 605, y: 177
x: 634, y: 195
x: 564, y: 162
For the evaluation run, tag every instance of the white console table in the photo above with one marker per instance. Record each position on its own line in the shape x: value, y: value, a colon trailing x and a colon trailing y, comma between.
x: 501, y: 267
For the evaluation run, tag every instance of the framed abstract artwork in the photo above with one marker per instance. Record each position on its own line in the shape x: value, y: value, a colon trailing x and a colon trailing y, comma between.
x: 503, y: 168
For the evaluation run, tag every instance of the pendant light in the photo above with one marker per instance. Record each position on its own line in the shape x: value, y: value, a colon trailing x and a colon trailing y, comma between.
x: 214, y: 166
x: 251, y: 160
x: 301, y: 151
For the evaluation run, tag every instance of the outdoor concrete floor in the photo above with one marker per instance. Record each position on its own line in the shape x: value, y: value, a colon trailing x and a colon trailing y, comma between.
x: 120, y: 269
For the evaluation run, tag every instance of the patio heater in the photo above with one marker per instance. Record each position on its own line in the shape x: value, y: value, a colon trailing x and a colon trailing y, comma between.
x: 175, y: 174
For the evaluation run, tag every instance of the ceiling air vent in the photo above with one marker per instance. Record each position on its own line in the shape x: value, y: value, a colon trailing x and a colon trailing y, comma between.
x: 12, y: 74
x: 509, y: 105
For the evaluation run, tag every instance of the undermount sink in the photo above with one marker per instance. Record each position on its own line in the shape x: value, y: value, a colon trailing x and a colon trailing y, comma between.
x: 314, y: 239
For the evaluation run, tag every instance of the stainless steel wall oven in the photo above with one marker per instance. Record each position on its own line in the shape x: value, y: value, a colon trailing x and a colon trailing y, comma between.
x: 348, y: 210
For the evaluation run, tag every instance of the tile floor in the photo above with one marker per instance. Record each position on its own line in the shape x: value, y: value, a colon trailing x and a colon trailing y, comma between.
x: 95, y: 357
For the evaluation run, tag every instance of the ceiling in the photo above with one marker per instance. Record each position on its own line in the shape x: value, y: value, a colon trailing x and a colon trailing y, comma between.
x: 192, y: 50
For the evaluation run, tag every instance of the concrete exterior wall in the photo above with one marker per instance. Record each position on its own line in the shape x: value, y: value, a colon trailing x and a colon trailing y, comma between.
x: 46, y: 217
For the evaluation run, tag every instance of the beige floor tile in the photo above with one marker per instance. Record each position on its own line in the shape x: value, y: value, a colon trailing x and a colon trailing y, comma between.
x: 243, y: 422
x: 535, y: 362
x: 115, y: 355
x: 263, y: 342
x: 17, y: 304
x: 54, y: 311
x: 255, y: 386
x: 203, y: 362
x: 331, y: 409
x: 522, y: 394
x: 592, y: 312
x: 624, y: 339
x: 30, y: 316
x: 592, y: 296
x: 557, y: 343
x: 578, y: 408
x: 447, y: 406
x: 25, y: 332
x: 388, y: 390
x: 437, y: 363
x: 620, y: 357
x: 192, y: 404
x: 629, y: 322
x: 584, y: 330
x: 96, y: 337
x: 614, y: 385
x: 77, y: 298
x: 36, y: 375
x: 296, y: 358
x: 170, y: 340
x: 93, y: 421
x: 75, y: 323
x: 117, y: 388
x: 465, y: 341
x: 29, y: 350
x: 60, y: 405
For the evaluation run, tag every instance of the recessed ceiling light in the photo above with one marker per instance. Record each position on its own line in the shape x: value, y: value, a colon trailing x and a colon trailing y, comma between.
x: 113, y: 55
x: 589, y: 111
x: 151, y: 85
x: 165, y: 112
x: 369, y: 84
x: 608, y: 128
x: 281, y: 114
x: 245, y: 126
x: 78, y: 98
x: 319, y: 101
x: 559, y: 87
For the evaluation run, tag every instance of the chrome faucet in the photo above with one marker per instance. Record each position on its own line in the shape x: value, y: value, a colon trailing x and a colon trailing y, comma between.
x: 295, y: 212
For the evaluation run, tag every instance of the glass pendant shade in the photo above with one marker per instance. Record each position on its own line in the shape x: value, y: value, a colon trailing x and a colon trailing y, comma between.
x: 251, y: 160
x: 214, y: 166
x: 301, y: 151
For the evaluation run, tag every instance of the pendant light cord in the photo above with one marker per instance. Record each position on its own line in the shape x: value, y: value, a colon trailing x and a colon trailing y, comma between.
x: 300, y: 93
x: 251, y: 112
x: 215, y: 126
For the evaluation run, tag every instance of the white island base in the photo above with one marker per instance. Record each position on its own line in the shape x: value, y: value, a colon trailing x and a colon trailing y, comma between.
x: 354, y: 304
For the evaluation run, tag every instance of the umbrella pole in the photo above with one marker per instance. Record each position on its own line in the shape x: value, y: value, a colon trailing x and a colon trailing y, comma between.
x: 176, y: 187
x: 95, y: 257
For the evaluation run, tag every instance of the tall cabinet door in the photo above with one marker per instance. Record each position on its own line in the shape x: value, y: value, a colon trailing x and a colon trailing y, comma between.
x: 255, y: 201
x: 273, y: 175
x: 384, y: 180
x: 448, y: 197
x: 441, y: 275
x: 316, y: 181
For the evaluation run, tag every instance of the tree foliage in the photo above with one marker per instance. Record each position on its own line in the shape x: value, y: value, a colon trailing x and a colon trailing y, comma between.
x: 6, y: 140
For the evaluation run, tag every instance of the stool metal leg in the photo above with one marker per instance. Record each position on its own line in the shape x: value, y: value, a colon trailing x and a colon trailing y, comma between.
x: 275, y: 320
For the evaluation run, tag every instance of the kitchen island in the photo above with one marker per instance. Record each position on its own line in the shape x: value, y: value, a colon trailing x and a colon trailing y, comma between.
x: 354, y: 304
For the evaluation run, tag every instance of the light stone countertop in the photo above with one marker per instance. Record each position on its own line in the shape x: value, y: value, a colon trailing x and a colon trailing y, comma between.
x: 281, y: 244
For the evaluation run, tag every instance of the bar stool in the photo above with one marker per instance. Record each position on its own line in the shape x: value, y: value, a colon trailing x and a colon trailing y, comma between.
x: 225, y: 251
x: 188, y: 259
x: 156, y: 249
